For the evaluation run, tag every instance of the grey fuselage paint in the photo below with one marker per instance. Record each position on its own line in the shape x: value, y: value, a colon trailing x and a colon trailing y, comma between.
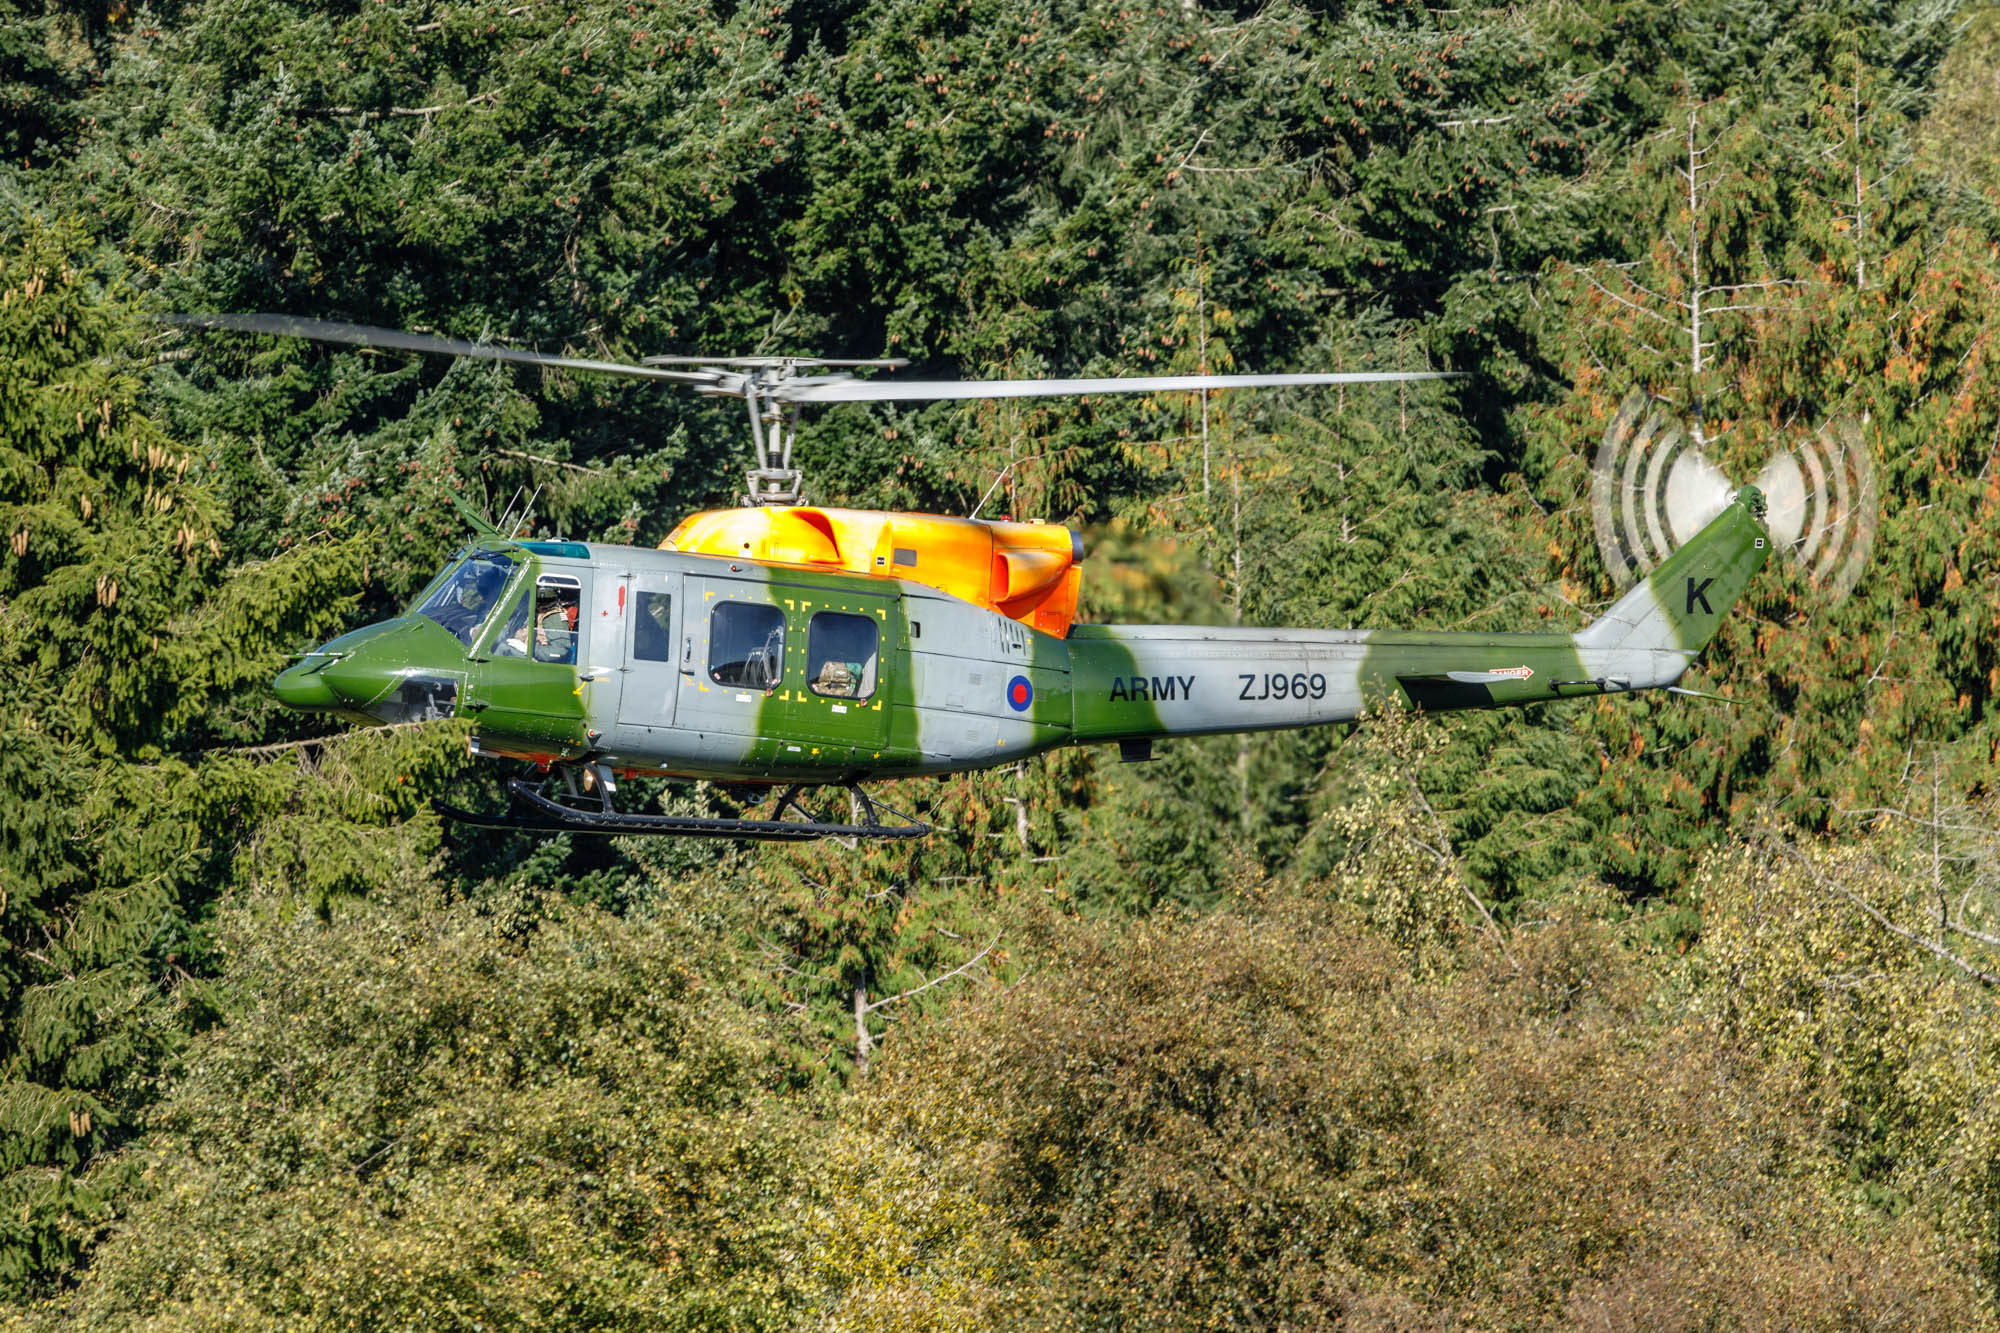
x: 642, y: 685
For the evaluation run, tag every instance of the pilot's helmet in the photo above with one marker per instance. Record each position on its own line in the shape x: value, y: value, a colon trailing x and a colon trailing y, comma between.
x: 484, y: 588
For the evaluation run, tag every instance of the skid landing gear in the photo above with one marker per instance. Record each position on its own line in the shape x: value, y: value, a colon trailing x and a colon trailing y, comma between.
x: 577, y: 799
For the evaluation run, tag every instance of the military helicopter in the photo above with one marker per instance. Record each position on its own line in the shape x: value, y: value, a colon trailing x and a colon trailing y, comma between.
x: 801, y: 647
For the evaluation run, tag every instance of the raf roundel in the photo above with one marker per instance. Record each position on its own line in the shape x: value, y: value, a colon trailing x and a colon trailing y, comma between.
x: 1020, y: 693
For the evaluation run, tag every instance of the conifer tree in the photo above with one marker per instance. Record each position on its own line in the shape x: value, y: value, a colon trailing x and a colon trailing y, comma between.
x: 853, y: 941
x: 120, y: 626
x: 1855, y: 298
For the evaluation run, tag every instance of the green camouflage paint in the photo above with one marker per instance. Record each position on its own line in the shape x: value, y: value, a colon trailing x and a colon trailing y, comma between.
x: 1102, y: 711
x: 1104, y: 683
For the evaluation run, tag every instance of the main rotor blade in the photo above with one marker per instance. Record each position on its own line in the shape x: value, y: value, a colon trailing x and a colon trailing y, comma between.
x: 772, y: 362
x: 838, y: 389
x: 363, y: 335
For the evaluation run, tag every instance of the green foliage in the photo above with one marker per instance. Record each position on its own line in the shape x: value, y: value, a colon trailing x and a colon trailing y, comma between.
x: 1854, y: 298
x: 1261, y: 1118
x: 1382, y: 846
x: 419, y: 1116
x: 1957, y: 137
x: 1864, y: 973
x: 1257, y: 1053
x: 122, y: 619
x: 85, y: 1021
x: 892, y: 1244
x: 849, y: 944
x: 124, y: 635
x: 1159, y: 837
x: 46, y: 56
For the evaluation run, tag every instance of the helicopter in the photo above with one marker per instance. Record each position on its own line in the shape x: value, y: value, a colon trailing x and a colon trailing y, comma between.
x: 799, y: 647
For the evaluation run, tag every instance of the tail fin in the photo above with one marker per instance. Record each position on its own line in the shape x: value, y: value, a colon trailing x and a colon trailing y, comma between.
x: 1678, y: 606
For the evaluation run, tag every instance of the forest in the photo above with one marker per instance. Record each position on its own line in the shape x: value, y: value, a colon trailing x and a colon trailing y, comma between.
x: 1661, y: 1012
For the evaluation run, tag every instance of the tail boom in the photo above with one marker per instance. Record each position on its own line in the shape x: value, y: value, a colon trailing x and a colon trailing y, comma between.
x: 1137, y: 682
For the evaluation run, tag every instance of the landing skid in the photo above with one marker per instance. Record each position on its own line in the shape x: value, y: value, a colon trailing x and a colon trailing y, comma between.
x: 591, y: 812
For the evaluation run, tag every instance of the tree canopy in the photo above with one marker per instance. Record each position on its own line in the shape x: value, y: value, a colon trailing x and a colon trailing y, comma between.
x: 1630, y: 1013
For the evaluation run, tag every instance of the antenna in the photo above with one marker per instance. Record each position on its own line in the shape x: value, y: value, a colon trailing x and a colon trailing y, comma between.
x: 1000, y: 478
x: 527, y: 514
x: 506, y: 523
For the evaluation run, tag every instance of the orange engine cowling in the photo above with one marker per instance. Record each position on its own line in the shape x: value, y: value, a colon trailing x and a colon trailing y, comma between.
x: 1029, y: 571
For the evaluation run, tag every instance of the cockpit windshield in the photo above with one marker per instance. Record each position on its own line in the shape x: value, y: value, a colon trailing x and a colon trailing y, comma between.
x: 465, y: 596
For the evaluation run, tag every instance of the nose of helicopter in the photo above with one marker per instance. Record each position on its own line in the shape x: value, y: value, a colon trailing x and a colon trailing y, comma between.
x: 305, y: 685
x: 363, y: 674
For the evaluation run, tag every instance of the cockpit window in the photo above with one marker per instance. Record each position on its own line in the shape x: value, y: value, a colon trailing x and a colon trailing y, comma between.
x: 512, y: 641
x: 558, y: 604
x: 466, y: 596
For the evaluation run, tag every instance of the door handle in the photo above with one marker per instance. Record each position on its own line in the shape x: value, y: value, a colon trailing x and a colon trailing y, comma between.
x: 598, y: 673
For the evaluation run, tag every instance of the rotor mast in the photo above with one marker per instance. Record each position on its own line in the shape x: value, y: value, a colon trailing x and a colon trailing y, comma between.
x: 763, y: 382
x: 774, y: 481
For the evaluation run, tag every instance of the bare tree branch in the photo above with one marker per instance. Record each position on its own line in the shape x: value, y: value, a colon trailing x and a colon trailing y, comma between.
x: 552, y: 462
x: 1932, y: 947
x: 934, y: 981
x: 399, y: 110
x: 1633, y: 306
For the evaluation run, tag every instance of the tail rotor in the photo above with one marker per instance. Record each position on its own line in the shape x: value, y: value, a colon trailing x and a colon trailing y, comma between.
x: 1653, y: 487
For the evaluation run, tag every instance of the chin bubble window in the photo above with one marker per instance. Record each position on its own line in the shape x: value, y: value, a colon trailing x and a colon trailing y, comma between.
x: 746, y: 645
x: 840, y: 655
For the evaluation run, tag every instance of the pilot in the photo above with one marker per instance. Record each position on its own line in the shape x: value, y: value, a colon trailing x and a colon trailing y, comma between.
x: 475, y: 600
x: 516, y: 642
x: 555, y: 631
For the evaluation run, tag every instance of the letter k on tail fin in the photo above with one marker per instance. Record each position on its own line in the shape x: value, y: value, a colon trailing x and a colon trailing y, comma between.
x: 1652, y: 632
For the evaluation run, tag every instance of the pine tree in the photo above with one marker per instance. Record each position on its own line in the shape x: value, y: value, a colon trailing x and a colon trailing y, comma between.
x: 120, y: 625
x: 851, y: 942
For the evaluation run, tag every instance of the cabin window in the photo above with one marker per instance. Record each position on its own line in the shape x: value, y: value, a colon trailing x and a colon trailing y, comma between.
x: 462, y: 599
x: 652, y: 627
x: 558, y: 608
x: 746, y: 645
x: 840, y: 655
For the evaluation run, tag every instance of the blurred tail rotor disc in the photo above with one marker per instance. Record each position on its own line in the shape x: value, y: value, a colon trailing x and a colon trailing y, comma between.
x: 1652, y: 487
